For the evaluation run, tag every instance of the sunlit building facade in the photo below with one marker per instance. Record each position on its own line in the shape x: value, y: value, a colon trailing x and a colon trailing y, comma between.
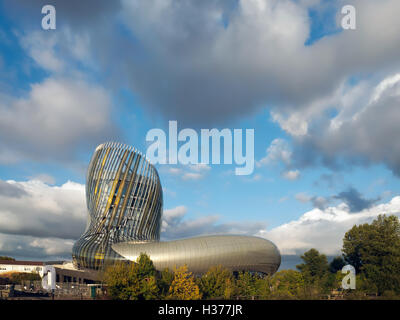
x: 125, y: 201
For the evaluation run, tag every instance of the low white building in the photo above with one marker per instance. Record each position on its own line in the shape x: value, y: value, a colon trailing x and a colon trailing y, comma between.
x: 65, y: 270
x: 7, y: 266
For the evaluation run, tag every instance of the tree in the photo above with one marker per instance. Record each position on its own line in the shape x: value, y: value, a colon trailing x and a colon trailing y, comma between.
x: 145, y: 266
x: 183, y: 287
x: 353, y: 242
x: 315, y: 271
x: 246, y: 284
x: 132, y: 281
x: 264, y: 286
x: 315, y: 265
x: 165, y: 281
x: 336, y: 264
x: 230, y: 288
x: 148, y: 289
x: 217, y: 283
x: 20, y: 277
x: 122, y: 281
x: 374, y: 250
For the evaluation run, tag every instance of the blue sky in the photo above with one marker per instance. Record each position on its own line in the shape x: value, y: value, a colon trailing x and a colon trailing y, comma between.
x: 323, y: 103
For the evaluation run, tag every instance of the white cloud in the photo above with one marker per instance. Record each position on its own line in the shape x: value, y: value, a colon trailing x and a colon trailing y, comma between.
x: 35, y: 248
x: 57, y: 118
x: 192, y: 176
x: 278, y: 151
x: 171, y: 216
x: 39, y: 221
x: 364, y: 130
x: 174, y: 171
x: 190, y: 172
x: 198, y: 172
x: 175, y: 225
x: 44, y: 177
x: 295, y: 123
x: 41, y: 48
x: 205, y: 51
x: 44, y: 211
x: 291, y: 174
x: 302, y: 197
x: 200, y: 167
x: 324, y: 229
x: 201, y: 50
x: 212, y: 40
x: 56, y: 51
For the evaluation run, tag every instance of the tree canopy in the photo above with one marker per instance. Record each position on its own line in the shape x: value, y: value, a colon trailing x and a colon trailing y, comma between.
x: 374, y: 250
x: 184, y: 287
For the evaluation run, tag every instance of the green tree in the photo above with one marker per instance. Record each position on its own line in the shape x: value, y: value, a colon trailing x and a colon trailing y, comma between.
x: 184, y: 287
x: 374, y: 250
x: 230, y: 288
x: 315, y: 264
x: 148, y: 289
x: 288, y: 284
x: 6, y: 258
x: 217, y: 283
x: 132, y: 281
x: 122, y: 282
x: 315, y: 271
x: 353, y: 242
x: 246, y: 284
x: 145, y: 266
x: 263, y: 286
x: 164, y: 282
x: 336, y: 264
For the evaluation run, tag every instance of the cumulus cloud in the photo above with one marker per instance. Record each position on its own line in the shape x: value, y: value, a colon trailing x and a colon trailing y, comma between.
x: 49, y: 51
x: 39, y: 221
x: 325, y: 229
x: 278, y: 151
x: 35, y: 248
x: 291, y: 174
x: 58, y: 117
x: 190, y: 172
x: 317, y: 202
x: 355, y: 201
x: 192, y: 176
x: 44, y: 177
x: 176, y: 226
x: 10, y: 190
x: 78, y: 13
x: 40, y: 210
x: 205, y: 62
x: 190, y: 61
x: 364, y: 130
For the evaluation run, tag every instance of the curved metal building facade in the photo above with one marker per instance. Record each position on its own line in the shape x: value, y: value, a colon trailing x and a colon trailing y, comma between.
x: 237, y: 253
x: 124, y: 202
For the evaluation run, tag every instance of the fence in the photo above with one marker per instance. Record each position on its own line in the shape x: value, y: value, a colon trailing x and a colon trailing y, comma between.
x: 63, y: 291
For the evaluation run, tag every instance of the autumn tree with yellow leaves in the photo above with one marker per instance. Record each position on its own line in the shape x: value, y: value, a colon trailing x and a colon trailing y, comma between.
x: 184, y: 287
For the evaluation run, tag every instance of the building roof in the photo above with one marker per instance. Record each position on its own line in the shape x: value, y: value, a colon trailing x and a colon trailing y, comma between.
x: 22, y: 263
